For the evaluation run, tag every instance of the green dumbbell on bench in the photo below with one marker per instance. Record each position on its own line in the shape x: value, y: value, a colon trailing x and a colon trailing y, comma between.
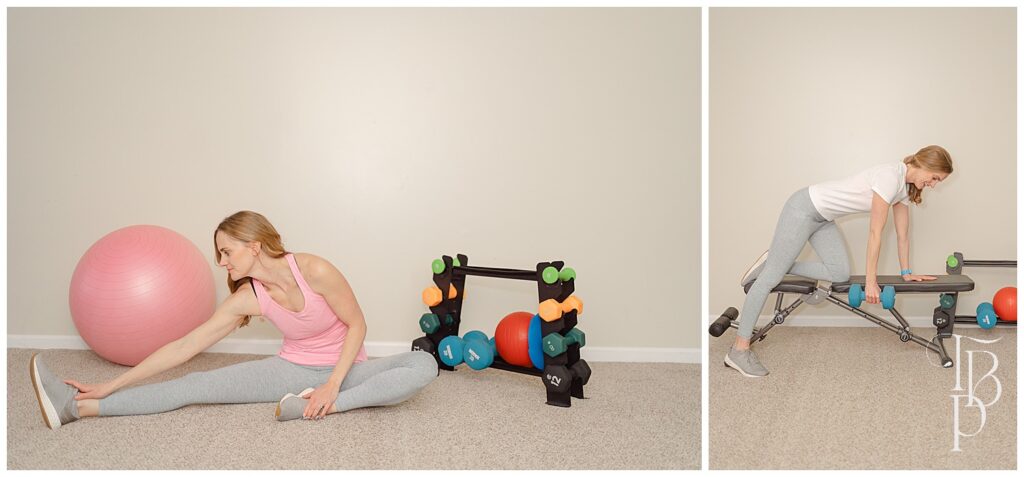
x: 857, y: 296
x: 556, y: 344
x: 430, y: 323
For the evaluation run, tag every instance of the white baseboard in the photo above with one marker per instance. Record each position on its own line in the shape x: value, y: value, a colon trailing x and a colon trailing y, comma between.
x: 377, y: 349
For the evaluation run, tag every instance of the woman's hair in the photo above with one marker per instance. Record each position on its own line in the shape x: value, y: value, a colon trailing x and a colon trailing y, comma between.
x: 248, y: 226
x: 930, y: 158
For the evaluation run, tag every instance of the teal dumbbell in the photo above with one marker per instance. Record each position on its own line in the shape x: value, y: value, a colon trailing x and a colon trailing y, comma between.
x: 450, y: 350
x: 556, y: 344
x: 986, y: 315
x: 479, y: 353
x: 430, y: 323
x: 474, y: 349
x: 857, y: 296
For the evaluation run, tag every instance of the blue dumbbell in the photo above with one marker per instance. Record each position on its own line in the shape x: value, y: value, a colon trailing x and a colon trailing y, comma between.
x: 986, y: 315
x: 857, y: 296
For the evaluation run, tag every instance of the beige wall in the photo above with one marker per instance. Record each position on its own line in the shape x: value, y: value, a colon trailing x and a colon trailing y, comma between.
x: 379, y: 139
x: 799, y: 96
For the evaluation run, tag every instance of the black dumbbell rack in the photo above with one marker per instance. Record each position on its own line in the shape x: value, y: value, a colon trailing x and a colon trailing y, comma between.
x: 958, y: 269
x: 556, y: 369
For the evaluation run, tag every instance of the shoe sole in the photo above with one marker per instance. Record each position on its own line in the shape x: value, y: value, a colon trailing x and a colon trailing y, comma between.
x: 49, y: 412
x: 730, y: 364
x: 277, y: 412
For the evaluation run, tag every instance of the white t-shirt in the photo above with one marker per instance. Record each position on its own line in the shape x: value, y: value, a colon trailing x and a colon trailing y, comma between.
x: 851, y: 195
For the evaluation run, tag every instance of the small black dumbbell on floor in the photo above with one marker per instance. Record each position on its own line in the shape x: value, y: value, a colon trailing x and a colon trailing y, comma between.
x: 558, y: 378
x: 423, y: 344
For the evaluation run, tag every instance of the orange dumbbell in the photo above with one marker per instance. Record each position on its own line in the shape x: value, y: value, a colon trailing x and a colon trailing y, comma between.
x: 551, y: 309
x: 573, y: 303
x: 432, y: 295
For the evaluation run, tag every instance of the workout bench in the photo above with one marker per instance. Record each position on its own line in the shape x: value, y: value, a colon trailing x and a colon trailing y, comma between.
x: 944, y: 317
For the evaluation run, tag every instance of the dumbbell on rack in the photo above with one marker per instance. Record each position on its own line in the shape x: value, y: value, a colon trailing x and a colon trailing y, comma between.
x: 559, y: 378
x: 551, y: 309
x: 430, y: 322
x: 474, y: 349
x: 556, y: 344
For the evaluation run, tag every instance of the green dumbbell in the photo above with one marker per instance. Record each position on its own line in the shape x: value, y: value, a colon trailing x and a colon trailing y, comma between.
x: 556, y: 344
x: 550, y: 275
x: 437, y: 266
x: 430, y: 322
x: 946, y: 301
x: 952, y: 262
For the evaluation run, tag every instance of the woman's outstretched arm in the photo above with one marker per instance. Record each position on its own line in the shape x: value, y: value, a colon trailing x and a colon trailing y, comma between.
x: 224, y: 320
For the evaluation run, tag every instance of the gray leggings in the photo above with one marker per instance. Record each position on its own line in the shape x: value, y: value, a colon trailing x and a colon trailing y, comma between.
x: 375, y: 382
x: 798, y: 224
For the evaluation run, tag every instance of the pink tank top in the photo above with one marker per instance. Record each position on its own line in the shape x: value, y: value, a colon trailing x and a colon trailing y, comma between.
x: 313, y: 336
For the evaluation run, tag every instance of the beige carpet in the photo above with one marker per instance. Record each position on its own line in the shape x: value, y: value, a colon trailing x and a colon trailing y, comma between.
x: 858, y: 398
x: 637, y: 416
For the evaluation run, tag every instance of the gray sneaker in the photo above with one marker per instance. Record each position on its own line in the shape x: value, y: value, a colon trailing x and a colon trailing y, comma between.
x: 56, y: 399
x: 291, y: 406
x: 754, y: 270
x: 746, y: 363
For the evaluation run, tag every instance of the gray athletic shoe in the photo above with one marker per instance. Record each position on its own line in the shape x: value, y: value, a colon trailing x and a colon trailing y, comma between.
x: 754, y: 270
x: 746, y: 363
x: 56, y: 399
x: 291, y: 406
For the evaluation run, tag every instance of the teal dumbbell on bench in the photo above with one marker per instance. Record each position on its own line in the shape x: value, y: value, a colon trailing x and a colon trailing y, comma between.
x: 857, y: 296
x: 556, y: 344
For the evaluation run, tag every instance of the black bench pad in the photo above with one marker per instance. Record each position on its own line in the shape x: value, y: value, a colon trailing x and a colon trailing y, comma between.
x: 942, y: 284
x: 791, y: 284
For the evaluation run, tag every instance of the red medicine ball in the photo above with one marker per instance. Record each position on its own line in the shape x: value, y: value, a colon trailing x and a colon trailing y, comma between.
x: 512, y: 338
x: 1005, y: 303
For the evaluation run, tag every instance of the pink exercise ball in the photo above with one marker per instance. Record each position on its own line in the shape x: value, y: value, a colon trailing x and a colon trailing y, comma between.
x: 137, y: 289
